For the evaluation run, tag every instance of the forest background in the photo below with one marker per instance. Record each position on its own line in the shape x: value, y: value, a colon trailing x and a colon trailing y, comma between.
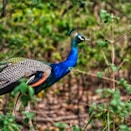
x: 96, y: 94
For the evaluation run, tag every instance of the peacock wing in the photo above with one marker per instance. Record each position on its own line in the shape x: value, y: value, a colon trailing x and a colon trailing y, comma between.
x: 3, y: 65
x: 10, y: 61
x: 25, y: 68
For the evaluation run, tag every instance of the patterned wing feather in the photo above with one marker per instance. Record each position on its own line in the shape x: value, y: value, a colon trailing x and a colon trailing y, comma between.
x: 14, y: 60
x: 22, y: 69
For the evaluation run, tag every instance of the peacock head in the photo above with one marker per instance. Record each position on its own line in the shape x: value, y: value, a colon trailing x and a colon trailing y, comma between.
x: 78, y: 37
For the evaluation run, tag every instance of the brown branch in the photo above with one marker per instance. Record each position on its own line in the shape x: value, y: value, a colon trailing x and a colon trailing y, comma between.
x: 3, y: 8
x: 62, y: 118
x: 95, y: 75
x: 40, y: 119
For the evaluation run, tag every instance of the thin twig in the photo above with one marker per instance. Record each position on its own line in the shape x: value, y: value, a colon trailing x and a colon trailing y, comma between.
x: 120, y: 65
x: 121, y: 36
x: 112, y: 52
x: 105, y: 128
x: 85, y: 127
x: 113, y: 63
x: 108, y: 121
x: 95, y: 75
x: 106, y: 61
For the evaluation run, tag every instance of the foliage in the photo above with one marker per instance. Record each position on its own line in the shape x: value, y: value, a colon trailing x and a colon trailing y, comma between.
x: 28, y: 117
x: 26, y: 91
x: 112, y: 114
x: 62, y: 126
x: 37, y: 29
x: 7, y: 123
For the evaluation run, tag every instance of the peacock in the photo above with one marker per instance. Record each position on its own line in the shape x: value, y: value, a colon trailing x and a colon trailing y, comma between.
x: 38, y: 74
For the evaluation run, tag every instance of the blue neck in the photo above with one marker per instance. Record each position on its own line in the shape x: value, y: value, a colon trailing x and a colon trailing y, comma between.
x: 62, y: 68
x: 73, y: 55
x: 72, y: 58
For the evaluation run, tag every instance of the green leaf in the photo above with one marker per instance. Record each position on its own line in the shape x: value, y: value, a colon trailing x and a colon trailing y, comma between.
x: 113, y: 67
x: 15, y: 91
x: 92, y: 107
x: 6, y: 128
x: 47, y: 129
x: 30, y: 91
x: 102, y: 43
x: 23, y: 87
x: 76, y: 128
x: 105, y: 16
x: 61, y: 125
x: 129, y: 26
x: 123, y: 127
x: 29, y: 115
x: 25, y: 99
x: 1, y: 124
x: 99, y: 74
x: 99, y: 90
x: 8, y: 123
x: 26, y: 120
x: 113, y: 102
x: 15, y: 127
x: 57, y: 56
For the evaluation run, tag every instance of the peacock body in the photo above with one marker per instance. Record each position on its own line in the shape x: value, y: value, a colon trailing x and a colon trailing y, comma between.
x: 39, y: 75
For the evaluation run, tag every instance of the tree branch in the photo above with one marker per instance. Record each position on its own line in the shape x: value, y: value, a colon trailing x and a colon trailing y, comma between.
x: 3, y: 8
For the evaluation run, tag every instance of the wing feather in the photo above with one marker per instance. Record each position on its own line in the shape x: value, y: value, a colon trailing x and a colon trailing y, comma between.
x: 22, y: 69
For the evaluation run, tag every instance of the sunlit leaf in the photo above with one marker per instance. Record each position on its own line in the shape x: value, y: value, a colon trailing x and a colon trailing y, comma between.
x: 61, y: 125
x: 99, y: 74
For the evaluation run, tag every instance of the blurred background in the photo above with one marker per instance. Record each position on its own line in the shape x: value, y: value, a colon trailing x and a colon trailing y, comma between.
x: 37, y: 29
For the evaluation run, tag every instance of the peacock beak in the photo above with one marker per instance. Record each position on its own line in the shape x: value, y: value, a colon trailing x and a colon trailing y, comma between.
x: 87, y: 39
x: 83, y: 38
